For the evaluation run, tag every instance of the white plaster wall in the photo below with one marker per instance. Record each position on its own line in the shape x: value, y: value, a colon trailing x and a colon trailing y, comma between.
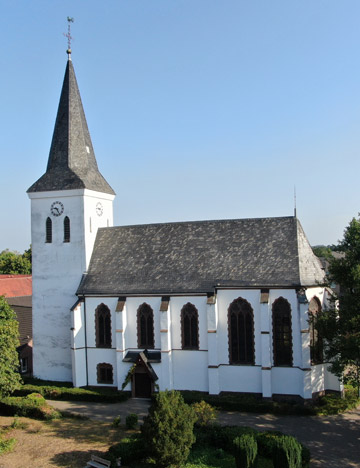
x: 331, y: 381
x: 244, y: 379
x: 132, y: 305
x: 287, y: 381
x: 57, y: 271
x: 318, y: 378
x: 190, y: 370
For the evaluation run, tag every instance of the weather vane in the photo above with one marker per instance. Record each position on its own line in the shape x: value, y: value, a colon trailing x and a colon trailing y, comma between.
x: 68, y: 35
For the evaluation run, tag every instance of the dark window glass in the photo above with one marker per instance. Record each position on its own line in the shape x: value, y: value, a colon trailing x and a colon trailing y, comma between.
x: 189, y: 327
x: 66, y: 229
x: 282, y: 334
x: 48, y: 230
x: 241, y: 332
x: 105, y: 373
x: 103, y: 327
x: 316, y: 342
x: 145, y: 321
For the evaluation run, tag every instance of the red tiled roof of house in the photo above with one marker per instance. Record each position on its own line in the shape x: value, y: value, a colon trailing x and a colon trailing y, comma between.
x: 15, y: 285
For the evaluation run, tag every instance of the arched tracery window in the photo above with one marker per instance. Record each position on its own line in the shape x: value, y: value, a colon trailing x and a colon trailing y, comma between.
x: 189, y: 327
x: 103, y: 327
x: 316, y: 342
x: 145, y: 326
x: 282, y: 333
x: 66, y: 229
x: 48, y: 230
x: 241, y: 332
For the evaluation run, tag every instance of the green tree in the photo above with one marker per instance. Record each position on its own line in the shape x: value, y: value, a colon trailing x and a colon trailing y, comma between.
x: 168, y: 430
x: 14, y: 263
x: 323, y: 251
x: 9, y: 340
x: 339, y: 324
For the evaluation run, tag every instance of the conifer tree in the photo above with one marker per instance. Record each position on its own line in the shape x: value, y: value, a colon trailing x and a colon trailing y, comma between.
x: 9, y: 362
x: 168, y: 430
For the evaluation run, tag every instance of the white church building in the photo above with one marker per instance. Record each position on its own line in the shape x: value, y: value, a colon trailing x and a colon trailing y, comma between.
x: 214, y: 306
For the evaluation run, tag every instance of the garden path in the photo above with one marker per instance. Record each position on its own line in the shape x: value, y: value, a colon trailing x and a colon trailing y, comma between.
x: 334, y: 441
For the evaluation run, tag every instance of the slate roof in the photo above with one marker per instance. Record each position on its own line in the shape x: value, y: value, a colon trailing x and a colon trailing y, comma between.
x: 196, y: 257
x: 15, y: 285
x: 72, y: 163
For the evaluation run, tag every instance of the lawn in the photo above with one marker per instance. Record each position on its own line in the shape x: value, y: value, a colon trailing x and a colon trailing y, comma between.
x: 62, y: 443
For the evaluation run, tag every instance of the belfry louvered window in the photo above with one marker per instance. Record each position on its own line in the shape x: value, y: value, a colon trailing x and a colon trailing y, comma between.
x: 189, y: 327
x: 316, y: 342
x: 66, y: 229
x: 145, y: 326
x: 48, y: 230
x: 103, y: 327
x: 241, y: 332
x: 282, y: 333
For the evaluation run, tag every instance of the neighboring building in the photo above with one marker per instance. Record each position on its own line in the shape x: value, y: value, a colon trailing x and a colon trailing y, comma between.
x: 17, y: 290
x: 214, y: 306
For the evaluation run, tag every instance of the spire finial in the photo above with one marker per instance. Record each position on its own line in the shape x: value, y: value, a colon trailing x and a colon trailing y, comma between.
x: 68, y: 35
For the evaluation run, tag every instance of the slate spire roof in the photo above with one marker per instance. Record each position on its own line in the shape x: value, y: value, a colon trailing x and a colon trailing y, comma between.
x: 72, y: 163
x: 198, y: 256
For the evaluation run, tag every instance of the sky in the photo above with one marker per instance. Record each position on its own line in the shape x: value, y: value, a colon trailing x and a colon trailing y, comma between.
x: 197, y: 109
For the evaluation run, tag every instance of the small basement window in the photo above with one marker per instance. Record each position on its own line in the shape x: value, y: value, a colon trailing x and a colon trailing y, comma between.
x: 105, y: 373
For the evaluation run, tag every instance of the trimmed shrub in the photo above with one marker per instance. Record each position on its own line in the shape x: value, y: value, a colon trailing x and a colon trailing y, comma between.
x: 129, y: 449
x: 30, y: 407
x: 205, y: 413
x: 131, y: 421
x: 168, y: 429
x: 106, y: 395
x: 287, y: 453
x: 245, y: 451
x: 116, y: 422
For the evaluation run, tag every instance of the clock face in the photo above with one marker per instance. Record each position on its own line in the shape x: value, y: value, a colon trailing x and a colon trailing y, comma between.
x: 57, y: 208
x: 99, y: 209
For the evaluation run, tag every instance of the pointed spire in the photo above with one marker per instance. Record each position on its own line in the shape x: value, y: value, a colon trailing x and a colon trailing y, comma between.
x: 72, y: 163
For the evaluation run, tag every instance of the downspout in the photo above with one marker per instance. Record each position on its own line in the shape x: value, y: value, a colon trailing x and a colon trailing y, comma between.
x: 86, y: 352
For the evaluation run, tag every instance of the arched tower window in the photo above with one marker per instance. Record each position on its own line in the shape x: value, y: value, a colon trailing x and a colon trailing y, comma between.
x: 189, y: 327
x: 282, y: 334
x: 48, y: 230
x: 66, y: 229
x: 241, y: 332
x: 103, y: 327
x: 145, y: 326
x: 316, y: 342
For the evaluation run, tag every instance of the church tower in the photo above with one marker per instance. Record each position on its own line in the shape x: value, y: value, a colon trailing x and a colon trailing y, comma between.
x: 68, y: 205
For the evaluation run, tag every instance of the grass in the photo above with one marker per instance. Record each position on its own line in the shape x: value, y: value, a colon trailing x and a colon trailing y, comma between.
x: 61, y: 443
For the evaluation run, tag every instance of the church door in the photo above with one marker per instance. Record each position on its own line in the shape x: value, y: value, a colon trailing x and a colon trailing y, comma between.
x: 142, y: 385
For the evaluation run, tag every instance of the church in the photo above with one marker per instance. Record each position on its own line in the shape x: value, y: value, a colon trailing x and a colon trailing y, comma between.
x: 212, y: 306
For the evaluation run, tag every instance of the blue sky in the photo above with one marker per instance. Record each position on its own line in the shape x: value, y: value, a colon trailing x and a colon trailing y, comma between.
x: 198, y: 109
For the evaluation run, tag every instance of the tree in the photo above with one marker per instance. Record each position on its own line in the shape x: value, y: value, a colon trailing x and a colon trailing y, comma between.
x: 339, y: 324
x: 14, y: 263
x: 167, y: 431
x: 9, y: 340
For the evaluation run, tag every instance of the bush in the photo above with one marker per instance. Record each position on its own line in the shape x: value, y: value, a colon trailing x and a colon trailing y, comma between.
x: 168, y: 429
x: 245, y: 451
x: 30, y: 406
x: 53, y: 392
x: 204, y: 412
x: 116, y: 422
x: 130, y: 450
x: 287, y: 453
x: 131, y: 421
